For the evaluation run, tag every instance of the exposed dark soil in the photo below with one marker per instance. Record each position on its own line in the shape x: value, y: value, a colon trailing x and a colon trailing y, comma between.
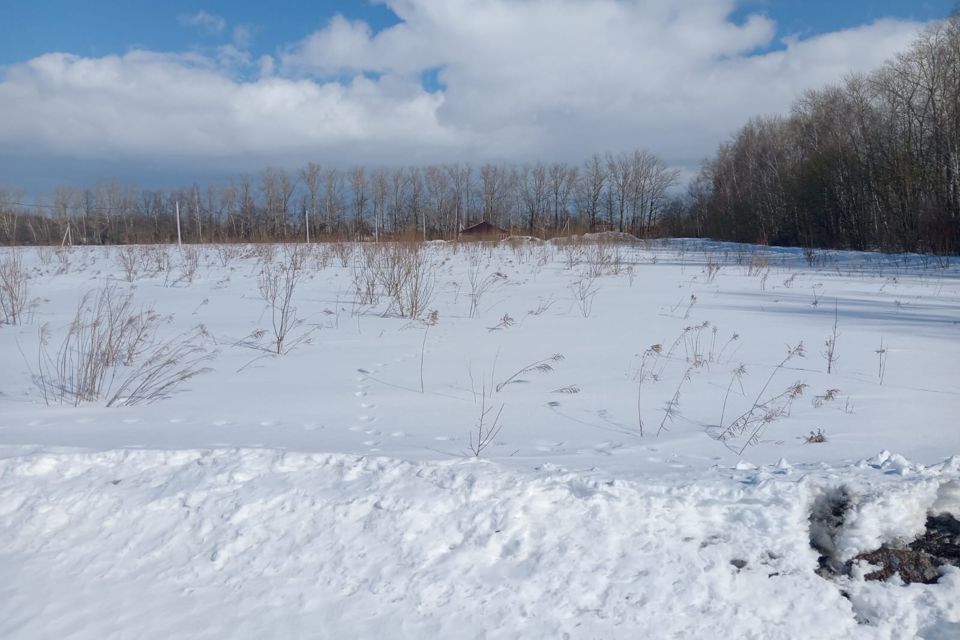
x: 918, y: 561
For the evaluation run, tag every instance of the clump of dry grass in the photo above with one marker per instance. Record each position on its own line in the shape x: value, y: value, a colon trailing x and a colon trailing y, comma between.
x: 111, y: 352
x: 710, y: 270
x: 226, y: 253
x: 828, y: 396
x: 189, y: 263
x: 479, y: 287
x: 132, y: 260
x: 14, y: 292
x: 763, y: 412
x: 342, y: 251
x: 365, y: 288
x: 406, y: 275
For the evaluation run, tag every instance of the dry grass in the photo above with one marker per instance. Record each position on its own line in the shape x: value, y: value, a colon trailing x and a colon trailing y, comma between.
x: 14, y: 292
x: 540, y: 366
x: 406, y: 275
x: 763, y: 412
x: 111, y: 352
x: 479, y: 287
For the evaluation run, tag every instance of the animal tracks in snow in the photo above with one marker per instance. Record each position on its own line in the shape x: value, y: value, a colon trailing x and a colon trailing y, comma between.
x: 366, y: 417
x: 367, y: 414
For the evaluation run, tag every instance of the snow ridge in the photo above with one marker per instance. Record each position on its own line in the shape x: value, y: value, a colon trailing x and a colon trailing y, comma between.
x: 258, y: 543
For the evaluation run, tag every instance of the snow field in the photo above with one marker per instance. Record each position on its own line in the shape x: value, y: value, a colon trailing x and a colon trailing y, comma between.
x: 326, y: 493
x: 355, y: 388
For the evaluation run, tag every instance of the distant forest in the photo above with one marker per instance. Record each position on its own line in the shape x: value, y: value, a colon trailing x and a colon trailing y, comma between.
x: 873, y: 163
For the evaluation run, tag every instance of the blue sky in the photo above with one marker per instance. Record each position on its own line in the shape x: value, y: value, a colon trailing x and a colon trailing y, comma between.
x: 160, y: 92
x: 807, y: 17
x: 100, y: 27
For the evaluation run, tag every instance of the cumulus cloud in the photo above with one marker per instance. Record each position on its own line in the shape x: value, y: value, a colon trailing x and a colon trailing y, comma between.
x: 519, y: 80
x: 560, y: 77
x: 150, y: 104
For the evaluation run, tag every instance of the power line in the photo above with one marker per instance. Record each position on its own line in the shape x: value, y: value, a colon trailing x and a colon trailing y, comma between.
x: 37, y: 205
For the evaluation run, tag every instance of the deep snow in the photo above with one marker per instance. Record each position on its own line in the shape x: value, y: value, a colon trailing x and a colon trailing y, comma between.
x: 322, y: 494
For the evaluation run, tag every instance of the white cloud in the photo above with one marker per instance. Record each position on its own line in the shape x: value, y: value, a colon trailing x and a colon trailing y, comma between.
x: 149, y: 105
x: 266, y: 65
x: 203, y: 20
x: 522, y: 80
x: 242, y: 36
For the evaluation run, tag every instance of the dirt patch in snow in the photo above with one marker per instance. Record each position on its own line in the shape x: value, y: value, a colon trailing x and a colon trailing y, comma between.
x: 918, y: 561
x: 915, y: 561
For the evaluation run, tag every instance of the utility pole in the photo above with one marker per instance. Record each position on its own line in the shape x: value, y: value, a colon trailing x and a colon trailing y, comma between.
x: 179, y: 243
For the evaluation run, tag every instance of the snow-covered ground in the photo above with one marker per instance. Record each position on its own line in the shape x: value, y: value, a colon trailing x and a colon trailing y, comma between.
x: 651, y: 476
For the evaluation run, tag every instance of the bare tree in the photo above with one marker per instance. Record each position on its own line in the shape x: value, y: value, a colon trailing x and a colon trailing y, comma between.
x: 561, y: 182
x: 533, y: 192
x: 461, y: 185
x: 358, y: 182
x: 333, y: 205
x: 590, y: 189
x: 438, y: 196
x: 380, y: 188
x: 651, y: 181
x: 311, y: 176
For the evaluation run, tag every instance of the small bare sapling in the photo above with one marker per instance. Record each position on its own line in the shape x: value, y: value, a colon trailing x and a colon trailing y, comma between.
x: 830, y: 345
x: 486, y: 430
x: 584, y: 291
x: 278, y: 284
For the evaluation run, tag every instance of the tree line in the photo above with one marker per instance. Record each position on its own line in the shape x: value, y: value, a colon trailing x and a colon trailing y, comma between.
x: 873, y: 163
x: 624, y: 192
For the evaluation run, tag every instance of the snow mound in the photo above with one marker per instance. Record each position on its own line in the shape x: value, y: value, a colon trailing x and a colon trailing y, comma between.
x: 599, y: 236
x: 514, y: 240
x: 255, y: 543
x: 611, y: 236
